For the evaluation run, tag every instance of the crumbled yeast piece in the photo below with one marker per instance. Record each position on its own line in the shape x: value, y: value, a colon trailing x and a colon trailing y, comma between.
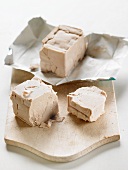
x: 62, y: 49
x: 34, y: 67
x: 34, y: 102
x: 87, y: 103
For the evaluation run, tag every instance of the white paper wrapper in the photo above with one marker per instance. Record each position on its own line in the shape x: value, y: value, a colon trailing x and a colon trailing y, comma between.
x: 103, y: 59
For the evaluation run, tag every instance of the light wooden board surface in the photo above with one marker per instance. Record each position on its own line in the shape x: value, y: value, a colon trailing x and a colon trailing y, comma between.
x: 68, y: 140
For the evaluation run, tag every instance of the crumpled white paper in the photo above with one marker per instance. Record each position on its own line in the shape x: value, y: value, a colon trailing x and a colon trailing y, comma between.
x: 103, y: 59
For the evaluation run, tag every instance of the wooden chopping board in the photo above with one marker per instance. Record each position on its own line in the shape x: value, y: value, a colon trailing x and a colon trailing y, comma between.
x: 68, y: 140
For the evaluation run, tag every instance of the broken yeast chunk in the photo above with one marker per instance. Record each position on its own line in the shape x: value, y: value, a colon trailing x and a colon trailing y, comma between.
x: 62, y: 49
x: 34, y: 102
x: 87, y: 103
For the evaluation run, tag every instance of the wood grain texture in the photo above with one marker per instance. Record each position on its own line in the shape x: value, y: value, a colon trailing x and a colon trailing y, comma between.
x: 68, y: 140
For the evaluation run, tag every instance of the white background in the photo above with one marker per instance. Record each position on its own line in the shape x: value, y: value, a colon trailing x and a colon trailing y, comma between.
x: 110, y: 16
